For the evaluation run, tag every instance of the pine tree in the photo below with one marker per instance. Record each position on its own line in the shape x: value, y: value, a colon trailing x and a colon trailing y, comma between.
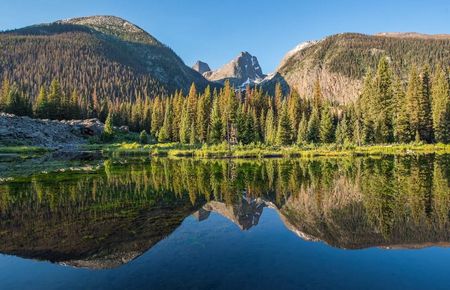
x: 278, y: 98
x: 302, y: 135
x: 192, y: 139
x: 342, y: 132
x: 425, y: 113
x: 41, y: 104
x: 74, y: 106
x: 17, y: 104
x: 284, y: 132
x: 55, y: 100
x: 108, y: 131
x: 216, y: 124
x: 165, y: 134
x: 185, y: 127
x: 270, y: 132
x: 441, y: 106
x: 313, y: 134
x: 294, y: 108
x: 326, y: 126
x: 383, y: 103
x: 143, y: 138
x: 156, y: 117
x: 203, y: 109
x: 4, y: 93
x: 402, y: 127
x: 419, y: 107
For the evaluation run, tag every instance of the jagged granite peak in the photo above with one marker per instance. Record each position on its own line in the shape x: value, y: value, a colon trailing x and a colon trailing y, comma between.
x: 114, y: 25
x: 242, y: 70
x: 201, y: 67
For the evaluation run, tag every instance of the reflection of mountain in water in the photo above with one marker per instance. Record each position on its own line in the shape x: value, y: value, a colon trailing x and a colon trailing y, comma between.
x: 106, y: 240
x: 108, y: 218
x: 245, y: 214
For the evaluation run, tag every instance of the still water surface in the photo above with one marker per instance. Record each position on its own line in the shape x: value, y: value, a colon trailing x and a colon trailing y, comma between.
x: 347, y: 223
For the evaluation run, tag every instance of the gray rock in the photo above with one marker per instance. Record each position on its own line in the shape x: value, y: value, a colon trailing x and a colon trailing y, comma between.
x: 15, y: 130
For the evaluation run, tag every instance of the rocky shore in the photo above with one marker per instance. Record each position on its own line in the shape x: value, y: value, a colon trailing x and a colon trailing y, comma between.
x: 15, y: 130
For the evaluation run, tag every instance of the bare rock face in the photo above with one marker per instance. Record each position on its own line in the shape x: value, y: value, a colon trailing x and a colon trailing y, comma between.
x: 46, y: 133
x: 201, y: 67
x: 242, y: 70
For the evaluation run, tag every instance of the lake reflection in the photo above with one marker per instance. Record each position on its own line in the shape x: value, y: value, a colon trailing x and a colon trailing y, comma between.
x: 108, y: 218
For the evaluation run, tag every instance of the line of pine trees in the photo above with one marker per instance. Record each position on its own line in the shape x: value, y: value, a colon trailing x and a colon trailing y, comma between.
x: 387, y: 111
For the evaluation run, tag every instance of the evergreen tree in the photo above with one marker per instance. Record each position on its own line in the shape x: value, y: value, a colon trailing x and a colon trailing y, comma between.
x: 284, y: 132
x: 55, y: 100
x: 216, y: 124
x: 419, y: 105
x: 41, y: 104
x: 4, y: 93
x: 270, y: 132
x: 108, y: 131
x: 74, y: 106
x: 203, y: 109
x: 143, y: 138
x: 425, y: 113
x: 302, y: 135
x: 192, y: 139
x: 326, y: 126
x: 441, y: 107
x: 156, y: 117
x: 313, y: 134
x: 165, y: 134
x: 342, y: 132
x: 17, y: 104
x: 185, y: 127
x: 383, y: 104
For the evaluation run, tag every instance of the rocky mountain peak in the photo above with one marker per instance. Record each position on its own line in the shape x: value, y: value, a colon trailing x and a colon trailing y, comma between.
x: 242, y: 70
x: 201, y: 67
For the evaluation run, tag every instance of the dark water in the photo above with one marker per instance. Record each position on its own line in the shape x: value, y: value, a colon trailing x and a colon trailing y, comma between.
x: 356, y: 223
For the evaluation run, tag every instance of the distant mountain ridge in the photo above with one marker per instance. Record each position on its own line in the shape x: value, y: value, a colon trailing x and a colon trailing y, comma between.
x: 242, y: 70
x: 105, y: 56
x: 340, y: 61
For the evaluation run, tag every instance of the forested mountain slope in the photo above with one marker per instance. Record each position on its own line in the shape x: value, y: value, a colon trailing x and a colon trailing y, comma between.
x: 101, y: 56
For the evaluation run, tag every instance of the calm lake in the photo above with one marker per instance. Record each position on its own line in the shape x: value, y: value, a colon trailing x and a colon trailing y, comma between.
x: 140, y: 223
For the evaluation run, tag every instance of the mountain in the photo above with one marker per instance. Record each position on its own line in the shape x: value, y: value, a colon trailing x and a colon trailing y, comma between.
x: 340, y: 61
x: 104, y: 56
x: 201, y: 67
x: 242, y: 70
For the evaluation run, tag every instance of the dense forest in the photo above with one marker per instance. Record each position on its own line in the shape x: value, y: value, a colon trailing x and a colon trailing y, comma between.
x: 388, y: 110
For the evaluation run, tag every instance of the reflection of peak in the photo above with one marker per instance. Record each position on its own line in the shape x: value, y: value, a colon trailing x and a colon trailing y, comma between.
x: 244, y: 214
x: 201, y: 214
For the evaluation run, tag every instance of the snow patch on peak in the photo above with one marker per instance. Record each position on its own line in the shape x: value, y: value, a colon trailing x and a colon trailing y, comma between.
x: 297, y: 49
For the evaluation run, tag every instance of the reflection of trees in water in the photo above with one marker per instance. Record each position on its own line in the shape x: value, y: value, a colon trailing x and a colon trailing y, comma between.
x: 352, y: 202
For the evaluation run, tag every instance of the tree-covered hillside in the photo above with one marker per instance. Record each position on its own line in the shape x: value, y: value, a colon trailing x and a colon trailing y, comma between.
x: 341, y: 61
x: 121, y: 62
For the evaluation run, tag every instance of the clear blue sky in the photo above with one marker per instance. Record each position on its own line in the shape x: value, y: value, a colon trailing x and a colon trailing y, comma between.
x: 215, y: 31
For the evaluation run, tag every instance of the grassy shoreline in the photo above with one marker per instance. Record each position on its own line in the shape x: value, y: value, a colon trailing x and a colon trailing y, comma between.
x: 239, y: 151
x: 264, y: 151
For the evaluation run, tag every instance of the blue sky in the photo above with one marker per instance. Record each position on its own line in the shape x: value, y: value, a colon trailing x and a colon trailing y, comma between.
x: 216, y: 31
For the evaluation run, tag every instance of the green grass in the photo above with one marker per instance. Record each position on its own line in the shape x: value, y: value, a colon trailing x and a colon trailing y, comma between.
x: 266, y: 151
x: 23, y: 150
